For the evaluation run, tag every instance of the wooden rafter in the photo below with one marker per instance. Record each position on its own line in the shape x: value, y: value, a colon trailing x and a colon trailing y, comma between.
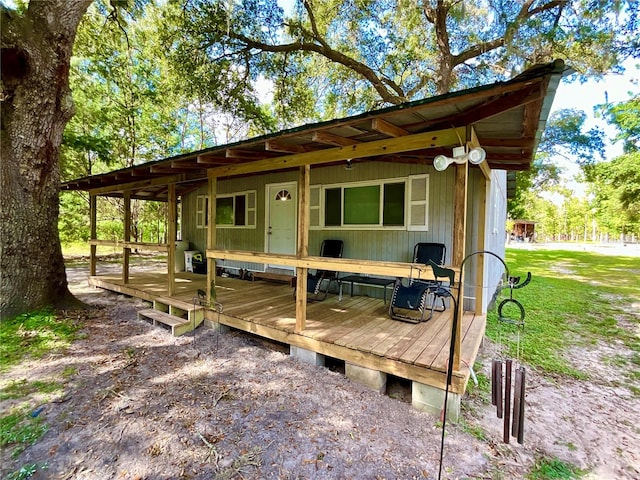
x: 361, y: 150
x: 382, y: 126
x: 277, y: 146
x: 332, y: 139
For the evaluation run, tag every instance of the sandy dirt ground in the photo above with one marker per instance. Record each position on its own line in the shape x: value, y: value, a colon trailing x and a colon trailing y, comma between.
x: 140, y: 404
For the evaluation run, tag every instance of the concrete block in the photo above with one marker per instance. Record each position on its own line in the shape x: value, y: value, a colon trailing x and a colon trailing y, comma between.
x: 373, y: 379
x: 431, y: 399
x: 307, y: 356
x: 215, y: 325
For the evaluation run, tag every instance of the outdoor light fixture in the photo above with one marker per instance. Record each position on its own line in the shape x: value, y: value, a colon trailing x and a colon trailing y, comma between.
x: 475, y: 156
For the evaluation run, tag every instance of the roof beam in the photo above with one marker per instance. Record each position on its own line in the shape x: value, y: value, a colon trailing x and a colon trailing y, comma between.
x: 190, y: 165
x: 419, y: 141
x: 498, y: 105
x: 137, y: 185
x: 212, y: 160
x: 166, y: 170
x: 525, y: 142
x: 331, y: 139
x: 237, y: 153
x: 388, y: 128
x: 277, y: 146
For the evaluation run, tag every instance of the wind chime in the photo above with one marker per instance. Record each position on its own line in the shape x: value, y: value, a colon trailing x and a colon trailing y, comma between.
x: 497, y: 366
x: 501, y: 391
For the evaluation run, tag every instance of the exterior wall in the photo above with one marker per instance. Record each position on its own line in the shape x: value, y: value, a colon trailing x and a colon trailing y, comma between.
x: 494, y: 234
x: 394, y: 245
x: 366, y: 244
x: 387, y: 244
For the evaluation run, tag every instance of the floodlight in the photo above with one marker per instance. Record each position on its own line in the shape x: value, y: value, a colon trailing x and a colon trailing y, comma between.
x: 440, y: 163
x: 476, y: 155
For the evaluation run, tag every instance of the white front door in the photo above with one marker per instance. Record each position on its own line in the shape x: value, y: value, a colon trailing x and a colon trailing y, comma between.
x: 282, y: 209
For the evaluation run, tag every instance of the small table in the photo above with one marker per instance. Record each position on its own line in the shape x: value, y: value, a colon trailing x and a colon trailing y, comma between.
x: 373, y: 281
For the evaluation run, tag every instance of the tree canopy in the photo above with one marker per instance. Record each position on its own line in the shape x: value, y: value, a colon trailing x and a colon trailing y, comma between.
x: 361, y: 54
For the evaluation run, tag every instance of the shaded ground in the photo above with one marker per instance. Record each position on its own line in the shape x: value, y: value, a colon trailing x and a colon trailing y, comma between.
x: 140, y: 404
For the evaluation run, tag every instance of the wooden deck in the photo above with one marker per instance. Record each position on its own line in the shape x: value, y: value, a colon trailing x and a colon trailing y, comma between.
x: 356, y: 329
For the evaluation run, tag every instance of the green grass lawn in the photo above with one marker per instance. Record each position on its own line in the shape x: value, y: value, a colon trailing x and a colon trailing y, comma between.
x: 574, y: 299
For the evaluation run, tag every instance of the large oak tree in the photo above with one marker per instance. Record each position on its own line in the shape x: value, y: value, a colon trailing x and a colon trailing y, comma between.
x: 346, y: 56
x: 37, y: 45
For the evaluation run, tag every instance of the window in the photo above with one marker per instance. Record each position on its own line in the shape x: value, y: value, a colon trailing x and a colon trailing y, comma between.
x: 232, y: 210
x: 394, y: 203
x: 361, y: 205
x: 236, y: 210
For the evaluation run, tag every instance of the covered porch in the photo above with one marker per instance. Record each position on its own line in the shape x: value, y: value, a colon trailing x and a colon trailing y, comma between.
x: 415, y: 199
x: 356, y: 330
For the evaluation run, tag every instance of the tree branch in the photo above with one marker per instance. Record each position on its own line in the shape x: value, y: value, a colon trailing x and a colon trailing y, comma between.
x: 523, y: 15
x: 393, y: 94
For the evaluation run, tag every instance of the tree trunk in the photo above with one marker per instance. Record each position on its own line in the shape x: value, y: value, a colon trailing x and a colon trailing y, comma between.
x: 36, y: 105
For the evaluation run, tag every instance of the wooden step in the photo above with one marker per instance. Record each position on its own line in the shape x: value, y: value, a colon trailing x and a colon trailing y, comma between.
x: 181, y: 304
x: 178, y: 325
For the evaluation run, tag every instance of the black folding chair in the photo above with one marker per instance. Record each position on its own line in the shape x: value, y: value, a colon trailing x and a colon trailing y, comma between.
x: 413, y: 295
x: 318, y: 283
x: 444, y: 282
x: 426, y: 253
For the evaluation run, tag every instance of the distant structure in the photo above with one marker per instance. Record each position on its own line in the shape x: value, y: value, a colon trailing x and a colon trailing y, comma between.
x: 523, y: 231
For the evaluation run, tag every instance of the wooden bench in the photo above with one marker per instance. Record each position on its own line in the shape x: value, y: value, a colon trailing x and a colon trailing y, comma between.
x: 178, y: 325
x: 369, y: 281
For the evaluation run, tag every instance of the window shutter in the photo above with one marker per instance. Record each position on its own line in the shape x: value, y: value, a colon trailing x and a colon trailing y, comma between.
x: 251, y: 208
x: 201, y: 212
x: 314, y: 207
x: 419, y: 202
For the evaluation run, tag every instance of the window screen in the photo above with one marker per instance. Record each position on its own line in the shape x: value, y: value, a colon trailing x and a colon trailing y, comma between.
x: 333, y: 207
x: 393, y: 210
x: 362, y: 205
x: 224, y: 211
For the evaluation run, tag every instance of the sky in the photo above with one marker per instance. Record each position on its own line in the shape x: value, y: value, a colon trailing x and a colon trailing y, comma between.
x: 614, y: 88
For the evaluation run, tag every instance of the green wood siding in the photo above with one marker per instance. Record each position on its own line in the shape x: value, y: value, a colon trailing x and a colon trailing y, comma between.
x: 383, y: 244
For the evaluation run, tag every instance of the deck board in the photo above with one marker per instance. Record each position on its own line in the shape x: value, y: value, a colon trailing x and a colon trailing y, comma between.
x: 359, y: 324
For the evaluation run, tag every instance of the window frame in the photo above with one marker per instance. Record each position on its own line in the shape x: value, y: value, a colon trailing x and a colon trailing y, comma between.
x: 380, y: 184
x: 317, y: 204
x: 250, y: 210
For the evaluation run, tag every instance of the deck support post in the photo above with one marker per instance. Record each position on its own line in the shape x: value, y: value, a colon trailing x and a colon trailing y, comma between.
x: 126, y: 251
x: 303, y: 247
x: 307, y: 356
x: 373, y: 379
x: 211, y: 237
x: 171, y: 240
x: 93, y: 216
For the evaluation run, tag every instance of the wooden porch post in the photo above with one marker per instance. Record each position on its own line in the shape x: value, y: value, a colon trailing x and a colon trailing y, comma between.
x: 459, y: 241
x: 303, y: 247
x: 126, y: 251
x: 211, y: 238
x: 485, y: 186
x: 93, y: 216
x: 171, y: 240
